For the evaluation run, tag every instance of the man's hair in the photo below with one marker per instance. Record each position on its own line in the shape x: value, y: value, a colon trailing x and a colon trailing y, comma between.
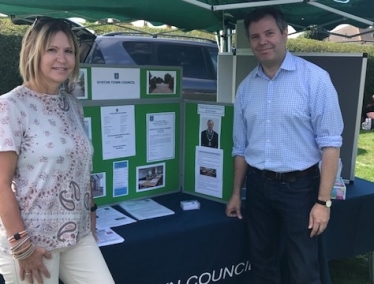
x: 260, y: 13
x: 34, y: 44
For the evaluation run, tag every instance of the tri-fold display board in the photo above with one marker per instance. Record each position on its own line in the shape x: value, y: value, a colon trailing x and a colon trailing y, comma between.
x: 148, y: 141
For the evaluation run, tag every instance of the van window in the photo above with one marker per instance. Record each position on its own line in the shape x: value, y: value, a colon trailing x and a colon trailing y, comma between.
x: 191, y: 58
x: 140, y: 52
x: 213, y: 56
x: 95, y: 56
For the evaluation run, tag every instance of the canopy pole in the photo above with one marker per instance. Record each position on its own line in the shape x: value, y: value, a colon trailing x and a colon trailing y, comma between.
x: 253, y: 4
x: 241, y: 5
x: 200, y: 4
x: 225, y: 35
x: 275, y: 3
x: 336, y: 11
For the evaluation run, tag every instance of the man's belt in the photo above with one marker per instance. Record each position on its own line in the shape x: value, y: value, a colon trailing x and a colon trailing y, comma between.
x: 284, y: 177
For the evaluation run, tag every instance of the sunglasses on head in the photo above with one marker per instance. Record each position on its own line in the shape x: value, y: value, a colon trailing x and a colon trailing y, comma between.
x: 40, y: 21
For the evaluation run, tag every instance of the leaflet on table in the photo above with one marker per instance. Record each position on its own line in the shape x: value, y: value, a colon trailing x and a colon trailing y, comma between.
x: 339, y: 190
x: 107, y: 217
x: 145, y: 209
x: 107, y: 237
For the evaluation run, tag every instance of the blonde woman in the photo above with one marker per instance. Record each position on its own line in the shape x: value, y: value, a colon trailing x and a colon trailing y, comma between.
x: 46, y: 221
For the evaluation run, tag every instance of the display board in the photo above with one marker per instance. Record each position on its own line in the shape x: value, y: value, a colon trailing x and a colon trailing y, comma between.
x: 347, y: 72
x: 132, y: 116
x: 208, y: 163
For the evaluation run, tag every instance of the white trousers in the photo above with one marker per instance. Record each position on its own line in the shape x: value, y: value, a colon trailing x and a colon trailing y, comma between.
x: 79, y: 264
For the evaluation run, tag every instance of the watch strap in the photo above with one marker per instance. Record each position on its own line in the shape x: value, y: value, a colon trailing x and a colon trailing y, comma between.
x: 324, y: 203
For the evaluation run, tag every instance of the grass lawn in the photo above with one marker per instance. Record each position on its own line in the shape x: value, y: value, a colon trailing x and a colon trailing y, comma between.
x: 355, y: 270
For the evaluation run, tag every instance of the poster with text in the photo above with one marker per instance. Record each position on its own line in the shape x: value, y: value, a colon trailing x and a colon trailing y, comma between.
x: 115, y: 83
x: 118, y: 131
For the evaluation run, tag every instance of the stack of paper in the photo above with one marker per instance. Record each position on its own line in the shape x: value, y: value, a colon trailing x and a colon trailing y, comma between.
x: 108, y: 237
x: 108, y: 217
x: 145, y: 209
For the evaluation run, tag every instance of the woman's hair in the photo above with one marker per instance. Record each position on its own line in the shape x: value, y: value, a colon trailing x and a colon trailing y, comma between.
x: 260, y: 13
x: 35, y: 43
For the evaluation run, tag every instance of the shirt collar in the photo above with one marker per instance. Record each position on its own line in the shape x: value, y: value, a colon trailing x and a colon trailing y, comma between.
x: 288, y: 64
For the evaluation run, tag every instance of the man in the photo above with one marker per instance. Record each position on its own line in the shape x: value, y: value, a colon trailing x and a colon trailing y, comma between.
x: 286, y: 120
x: 209, y: 138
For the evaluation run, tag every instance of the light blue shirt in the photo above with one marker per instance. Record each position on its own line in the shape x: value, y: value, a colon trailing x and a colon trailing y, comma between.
x: 281, y: 124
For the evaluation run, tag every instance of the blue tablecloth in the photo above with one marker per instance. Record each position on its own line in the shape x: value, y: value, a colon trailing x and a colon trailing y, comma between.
x: 198, y: 244
x: 351, y: 227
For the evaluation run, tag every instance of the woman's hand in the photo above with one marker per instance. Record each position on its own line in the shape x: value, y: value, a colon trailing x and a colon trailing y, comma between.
x: 32, y: 268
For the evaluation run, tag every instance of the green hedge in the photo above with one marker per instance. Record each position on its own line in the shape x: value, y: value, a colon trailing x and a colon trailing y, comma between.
x: 11, y: 36
x: 10, y: 46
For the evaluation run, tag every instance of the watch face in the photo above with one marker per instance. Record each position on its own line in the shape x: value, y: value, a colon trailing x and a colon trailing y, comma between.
x: 328, y: 203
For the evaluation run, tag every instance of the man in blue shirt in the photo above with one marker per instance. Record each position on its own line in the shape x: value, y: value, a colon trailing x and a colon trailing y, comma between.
x: 287, y: 119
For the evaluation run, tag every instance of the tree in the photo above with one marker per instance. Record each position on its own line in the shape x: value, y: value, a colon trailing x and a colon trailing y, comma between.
x: 316, y: 32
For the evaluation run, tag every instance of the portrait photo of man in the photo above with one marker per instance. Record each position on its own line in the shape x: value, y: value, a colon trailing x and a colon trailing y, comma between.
x: 209, y: 138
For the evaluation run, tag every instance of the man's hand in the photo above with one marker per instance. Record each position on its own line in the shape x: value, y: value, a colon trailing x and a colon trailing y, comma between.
x: 233, y: 206
x: 318, y: 219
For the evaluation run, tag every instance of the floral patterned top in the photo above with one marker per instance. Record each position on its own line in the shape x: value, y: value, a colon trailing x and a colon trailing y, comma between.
x: 53, y: 169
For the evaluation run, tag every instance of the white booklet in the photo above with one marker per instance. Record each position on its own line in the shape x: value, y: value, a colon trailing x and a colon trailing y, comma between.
x: 108, y: 217
x: 145, y: 209
x: 107, y: 237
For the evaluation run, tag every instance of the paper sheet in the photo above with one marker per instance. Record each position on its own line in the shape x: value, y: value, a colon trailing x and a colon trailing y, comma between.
x: 145, y: 209
x: 107, y: 217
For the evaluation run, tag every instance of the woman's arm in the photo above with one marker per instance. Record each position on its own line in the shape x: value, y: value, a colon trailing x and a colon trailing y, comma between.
x: 9, y: 209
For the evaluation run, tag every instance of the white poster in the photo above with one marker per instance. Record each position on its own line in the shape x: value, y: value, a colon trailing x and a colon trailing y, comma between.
x: 207, y: 110
x: 208, y: 171
x: 160, y: 136
x: 115, y: 83
x: 118, y: 131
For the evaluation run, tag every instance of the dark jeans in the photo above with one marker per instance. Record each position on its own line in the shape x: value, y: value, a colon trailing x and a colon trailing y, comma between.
x: 278, y: 217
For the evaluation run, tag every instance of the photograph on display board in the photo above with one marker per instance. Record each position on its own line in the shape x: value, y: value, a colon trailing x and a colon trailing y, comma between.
x: 210, y: 172
x: 210, y: 129
x: 161, y: 82
x: 79, y: 88
x: 150, y: 177
x: 98, y: 184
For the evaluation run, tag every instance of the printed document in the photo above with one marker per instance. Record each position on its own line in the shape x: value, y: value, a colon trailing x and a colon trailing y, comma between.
x: 145, y: 209
x: 107, y: 217
x: 108, y: 237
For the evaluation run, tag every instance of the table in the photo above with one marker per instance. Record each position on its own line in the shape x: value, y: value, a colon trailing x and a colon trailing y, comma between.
x: 200, y: 246
x: 351, y: 228
x: 189, y: 244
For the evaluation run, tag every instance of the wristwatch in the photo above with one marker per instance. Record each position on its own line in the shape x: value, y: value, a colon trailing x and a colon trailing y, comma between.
x: 325, y: 203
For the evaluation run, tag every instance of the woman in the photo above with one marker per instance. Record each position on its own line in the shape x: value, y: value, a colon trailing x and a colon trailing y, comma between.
x: 47, y: 219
